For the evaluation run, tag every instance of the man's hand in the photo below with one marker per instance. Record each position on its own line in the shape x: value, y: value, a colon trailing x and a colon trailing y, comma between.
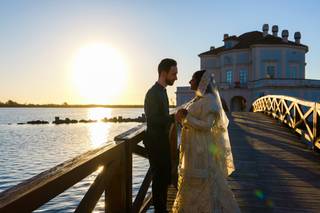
x: 181, y: 114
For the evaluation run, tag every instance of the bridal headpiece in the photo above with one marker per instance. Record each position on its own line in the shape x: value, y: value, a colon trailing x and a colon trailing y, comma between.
x: 207, y: 80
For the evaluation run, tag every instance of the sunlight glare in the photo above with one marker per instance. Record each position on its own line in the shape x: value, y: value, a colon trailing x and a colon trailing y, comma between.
x: 99, y: 73
x: 99, y: 133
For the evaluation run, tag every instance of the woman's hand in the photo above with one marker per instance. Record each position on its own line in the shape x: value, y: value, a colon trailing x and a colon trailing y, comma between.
x: 181, y: 114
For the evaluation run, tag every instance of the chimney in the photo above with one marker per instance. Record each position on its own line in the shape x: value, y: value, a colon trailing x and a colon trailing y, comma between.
x: 265, y: 29
x: 297, y: 37
x: 212, y: 48
x: 285, y: 35
x: 225, y: 36
x: 275, y: 30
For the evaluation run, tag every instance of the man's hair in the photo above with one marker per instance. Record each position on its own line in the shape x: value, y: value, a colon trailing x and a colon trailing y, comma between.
x: 166, y: 64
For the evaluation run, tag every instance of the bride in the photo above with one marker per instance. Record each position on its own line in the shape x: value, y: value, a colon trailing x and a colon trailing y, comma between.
x: 205, y: 152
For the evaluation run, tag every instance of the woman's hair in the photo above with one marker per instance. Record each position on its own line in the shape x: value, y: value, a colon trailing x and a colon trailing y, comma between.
x: 197, y: 76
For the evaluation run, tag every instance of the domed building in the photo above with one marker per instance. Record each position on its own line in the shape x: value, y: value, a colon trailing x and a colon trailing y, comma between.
x: 255, y: 64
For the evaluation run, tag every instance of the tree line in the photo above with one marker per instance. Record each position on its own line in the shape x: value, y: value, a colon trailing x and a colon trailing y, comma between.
x: 11, y: 103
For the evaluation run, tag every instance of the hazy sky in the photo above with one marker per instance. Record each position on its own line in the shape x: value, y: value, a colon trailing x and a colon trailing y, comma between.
x: 38, y: 40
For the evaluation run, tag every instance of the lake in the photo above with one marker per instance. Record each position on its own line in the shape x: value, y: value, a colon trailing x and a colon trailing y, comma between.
x: 26, y: 150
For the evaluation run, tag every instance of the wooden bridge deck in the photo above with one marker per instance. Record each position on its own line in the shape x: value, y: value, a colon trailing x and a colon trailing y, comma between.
x: 275, y: 172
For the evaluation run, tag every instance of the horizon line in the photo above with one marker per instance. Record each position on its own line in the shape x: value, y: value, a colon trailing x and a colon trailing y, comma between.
x: 17, y: 105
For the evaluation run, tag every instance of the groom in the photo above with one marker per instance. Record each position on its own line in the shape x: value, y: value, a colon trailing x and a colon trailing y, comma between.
x: 156, y: 107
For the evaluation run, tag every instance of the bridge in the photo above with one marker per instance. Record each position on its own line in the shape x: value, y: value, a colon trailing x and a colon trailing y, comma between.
x: 275, y: 149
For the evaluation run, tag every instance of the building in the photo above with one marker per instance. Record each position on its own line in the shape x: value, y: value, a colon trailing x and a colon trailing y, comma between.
x: 255, y: 64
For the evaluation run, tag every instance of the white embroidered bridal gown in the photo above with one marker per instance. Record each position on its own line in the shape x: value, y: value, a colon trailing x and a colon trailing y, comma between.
x: 205, y: 160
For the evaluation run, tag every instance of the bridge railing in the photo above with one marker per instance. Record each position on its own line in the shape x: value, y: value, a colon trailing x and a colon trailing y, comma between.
x: 302, y: 116
x: 114, y: 163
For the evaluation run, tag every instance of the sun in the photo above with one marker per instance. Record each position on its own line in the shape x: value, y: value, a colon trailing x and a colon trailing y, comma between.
x: 99, y: 73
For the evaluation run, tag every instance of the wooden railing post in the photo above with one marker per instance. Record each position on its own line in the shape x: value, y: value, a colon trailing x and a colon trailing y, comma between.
x: 140, y: 198
x: 174, y: 154
x: 128, y: 175
x: 315, y: 124
x: 118, y: 192
x: 281, y: 110
x: 295, y: 105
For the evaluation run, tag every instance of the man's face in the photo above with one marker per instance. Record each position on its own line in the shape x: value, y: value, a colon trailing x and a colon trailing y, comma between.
x: 171, y: 76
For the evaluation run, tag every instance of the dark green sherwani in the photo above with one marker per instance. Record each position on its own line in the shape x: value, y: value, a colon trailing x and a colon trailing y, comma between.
x: 156, y: 107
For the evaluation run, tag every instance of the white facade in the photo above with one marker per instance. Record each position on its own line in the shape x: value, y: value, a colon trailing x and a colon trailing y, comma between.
x: 256, y: 64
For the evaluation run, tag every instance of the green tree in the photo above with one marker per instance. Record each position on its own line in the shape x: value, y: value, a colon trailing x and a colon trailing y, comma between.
x: 12, y: 103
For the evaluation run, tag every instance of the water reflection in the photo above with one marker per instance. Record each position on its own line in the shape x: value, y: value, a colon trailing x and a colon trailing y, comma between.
x: 99, y: 131
x: 26, y: 151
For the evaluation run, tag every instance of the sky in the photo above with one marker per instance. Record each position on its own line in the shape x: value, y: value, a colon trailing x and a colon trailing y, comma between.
x: 39, y: 41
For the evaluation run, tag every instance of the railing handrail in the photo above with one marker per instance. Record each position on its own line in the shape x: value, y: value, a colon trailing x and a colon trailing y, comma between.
x: 289, y: 98
x: 289, y: 111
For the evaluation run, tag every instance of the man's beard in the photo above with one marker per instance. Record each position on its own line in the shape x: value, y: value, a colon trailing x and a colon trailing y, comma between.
x: 170, y: 83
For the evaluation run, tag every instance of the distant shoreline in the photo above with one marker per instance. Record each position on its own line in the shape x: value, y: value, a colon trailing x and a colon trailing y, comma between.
x: 14, y: 104
x: 75, y: 106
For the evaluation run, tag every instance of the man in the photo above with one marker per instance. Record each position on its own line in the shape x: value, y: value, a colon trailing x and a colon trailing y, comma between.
x: 156, y: 107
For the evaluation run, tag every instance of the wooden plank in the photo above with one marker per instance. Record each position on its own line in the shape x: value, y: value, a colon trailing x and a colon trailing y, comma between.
x: 93, y: 195
x: 303, y: 102
x: 118, y: 190
x: 139, y: 150
x: 131, y: 133
x: 174, y: 154
x: 317, y: 143
x: 138, y: 202
x: 128, y: 176
x: 34, y: 192
x: 146, y: 203
x: 172, y: 192
x: 271, y: 168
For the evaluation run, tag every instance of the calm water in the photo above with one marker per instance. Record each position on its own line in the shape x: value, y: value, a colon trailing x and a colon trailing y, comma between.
x: 26, y: 150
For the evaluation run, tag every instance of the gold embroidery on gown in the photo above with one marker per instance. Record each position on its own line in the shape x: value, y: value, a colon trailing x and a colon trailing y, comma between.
x: 205, y: 161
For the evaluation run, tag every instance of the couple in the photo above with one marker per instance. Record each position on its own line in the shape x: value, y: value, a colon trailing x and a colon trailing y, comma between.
x: 205, y: 152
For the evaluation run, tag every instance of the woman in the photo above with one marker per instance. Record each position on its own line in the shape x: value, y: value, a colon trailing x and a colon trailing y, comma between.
x: 205, y: 152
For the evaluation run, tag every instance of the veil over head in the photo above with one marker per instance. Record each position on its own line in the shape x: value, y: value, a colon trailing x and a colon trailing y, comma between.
x: 207, y: 83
